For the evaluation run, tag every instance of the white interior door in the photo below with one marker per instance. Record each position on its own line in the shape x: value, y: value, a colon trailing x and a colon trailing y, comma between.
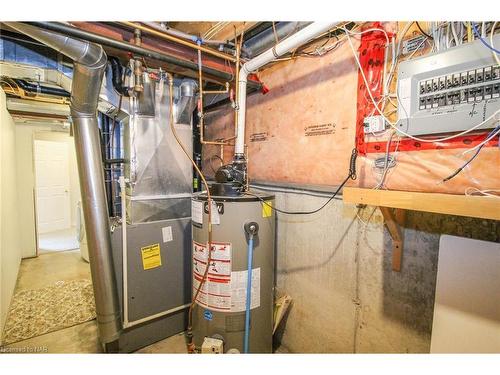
x: 52, y: 186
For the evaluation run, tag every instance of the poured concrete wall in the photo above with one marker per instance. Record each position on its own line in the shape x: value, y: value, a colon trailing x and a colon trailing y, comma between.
x: 337, y: 269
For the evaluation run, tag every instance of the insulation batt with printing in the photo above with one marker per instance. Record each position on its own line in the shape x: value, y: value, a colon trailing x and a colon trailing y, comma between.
x: 324, y: 90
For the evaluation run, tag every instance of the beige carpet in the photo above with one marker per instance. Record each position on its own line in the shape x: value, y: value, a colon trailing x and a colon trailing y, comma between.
x: 39, y: 311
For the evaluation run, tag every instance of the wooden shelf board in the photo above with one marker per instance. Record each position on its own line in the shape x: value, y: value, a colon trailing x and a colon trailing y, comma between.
x: 449, y: 204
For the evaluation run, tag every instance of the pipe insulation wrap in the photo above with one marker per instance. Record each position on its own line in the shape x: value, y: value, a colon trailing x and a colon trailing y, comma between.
x: 90, y: 64
x: 296, y: 40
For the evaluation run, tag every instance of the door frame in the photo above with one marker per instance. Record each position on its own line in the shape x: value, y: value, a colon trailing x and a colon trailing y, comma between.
x: 35, y: 208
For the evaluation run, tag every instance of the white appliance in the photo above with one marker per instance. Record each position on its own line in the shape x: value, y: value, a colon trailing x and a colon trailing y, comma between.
x: 467, y: 303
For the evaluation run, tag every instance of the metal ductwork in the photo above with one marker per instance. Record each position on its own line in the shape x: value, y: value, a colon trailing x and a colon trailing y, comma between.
x: 89, y: 65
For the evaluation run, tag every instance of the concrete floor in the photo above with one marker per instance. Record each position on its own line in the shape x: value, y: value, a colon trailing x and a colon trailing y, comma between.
x: 83, y: 338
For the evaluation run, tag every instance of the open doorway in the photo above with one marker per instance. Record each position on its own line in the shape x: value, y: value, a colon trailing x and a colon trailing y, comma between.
x: 57, y: 193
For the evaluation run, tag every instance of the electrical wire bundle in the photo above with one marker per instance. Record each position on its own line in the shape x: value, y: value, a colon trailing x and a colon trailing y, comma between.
x: 494, y: 131
x: 380, y: 109
x: 350, y: 176
x: 490, y: 45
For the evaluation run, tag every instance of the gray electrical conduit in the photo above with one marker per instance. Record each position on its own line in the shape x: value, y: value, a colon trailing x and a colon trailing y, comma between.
x: 90, y: 64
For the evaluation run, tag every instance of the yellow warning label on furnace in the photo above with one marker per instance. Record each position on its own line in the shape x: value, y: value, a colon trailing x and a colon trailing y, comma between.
x: 267, y: 208
x: 151, y: 257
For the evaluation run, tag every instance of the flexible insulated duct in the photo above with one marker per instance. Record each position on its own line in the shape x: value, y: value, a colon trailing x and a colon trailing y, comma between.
x: 89, y: 66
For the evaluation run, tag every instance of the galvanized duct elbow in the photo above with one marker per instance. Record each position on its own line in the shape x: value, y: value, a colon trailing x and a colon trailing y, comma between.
x: 90, y: 64
x: 186, y: 102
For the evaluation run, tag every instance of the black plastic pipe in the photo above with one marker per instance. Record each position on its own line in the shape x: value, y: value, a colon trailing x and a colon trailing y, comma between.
x: 36, y: 88
x: 116, y: 76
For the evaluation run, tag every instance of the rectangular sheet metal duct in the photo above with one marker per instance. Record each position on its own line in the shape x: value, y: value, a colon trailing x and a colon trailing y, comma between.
x: 159, y: 174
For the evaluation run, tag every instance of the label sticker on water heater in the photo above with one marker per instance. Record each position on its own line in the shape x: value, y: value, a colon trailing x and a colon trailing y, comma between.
x: 207, y: 314
x: 239, y: 290
x: 215, y: 293
x: 197, y: 211
x: 217, y: 210
x: 267, y: 208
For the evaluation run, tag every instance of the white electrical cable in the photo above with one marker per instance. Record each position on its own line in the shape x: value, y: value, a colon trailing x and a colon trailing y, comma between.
x: 387, y: 41
x: 454, y: 32
x: 482, y: 143
x: 387, y: 164
x: 393, y: 125
x: 448, y: 36
x: 487, y: 192
x: 215, y: 29
x: 495, y: 55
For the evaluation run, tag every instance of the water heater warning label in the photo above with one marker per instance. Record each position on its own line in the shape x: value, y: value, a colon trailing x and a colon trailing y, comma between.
x: 216, y: 291
x: 239, y: 290
x: 223, y: 290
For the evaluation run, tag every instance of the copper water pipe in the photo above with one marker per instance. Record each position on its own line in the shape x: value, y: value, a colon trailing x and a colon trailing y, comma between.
x: 200, y: 109
x: 175, y: 39
x: 200, y: 75
x: 225, y: 91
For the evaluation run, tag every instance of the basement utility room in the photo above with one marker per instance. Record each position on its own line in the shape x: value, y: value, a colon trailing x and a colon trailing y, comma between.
x: 252, y: 180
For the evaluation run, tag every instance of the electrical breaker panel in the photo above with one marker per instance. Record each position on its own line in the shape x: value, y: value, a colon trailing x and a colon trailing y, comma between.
x: 449, y: 91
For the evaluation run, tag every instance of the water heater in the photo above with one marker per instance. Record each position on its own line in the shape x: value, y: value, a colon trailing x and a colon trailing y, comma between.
x: 219, y: 311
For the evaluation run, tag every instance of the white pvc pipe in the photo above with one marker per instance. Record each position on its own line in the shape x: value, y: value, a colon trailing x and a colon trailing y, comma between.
x: 293, y: 41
